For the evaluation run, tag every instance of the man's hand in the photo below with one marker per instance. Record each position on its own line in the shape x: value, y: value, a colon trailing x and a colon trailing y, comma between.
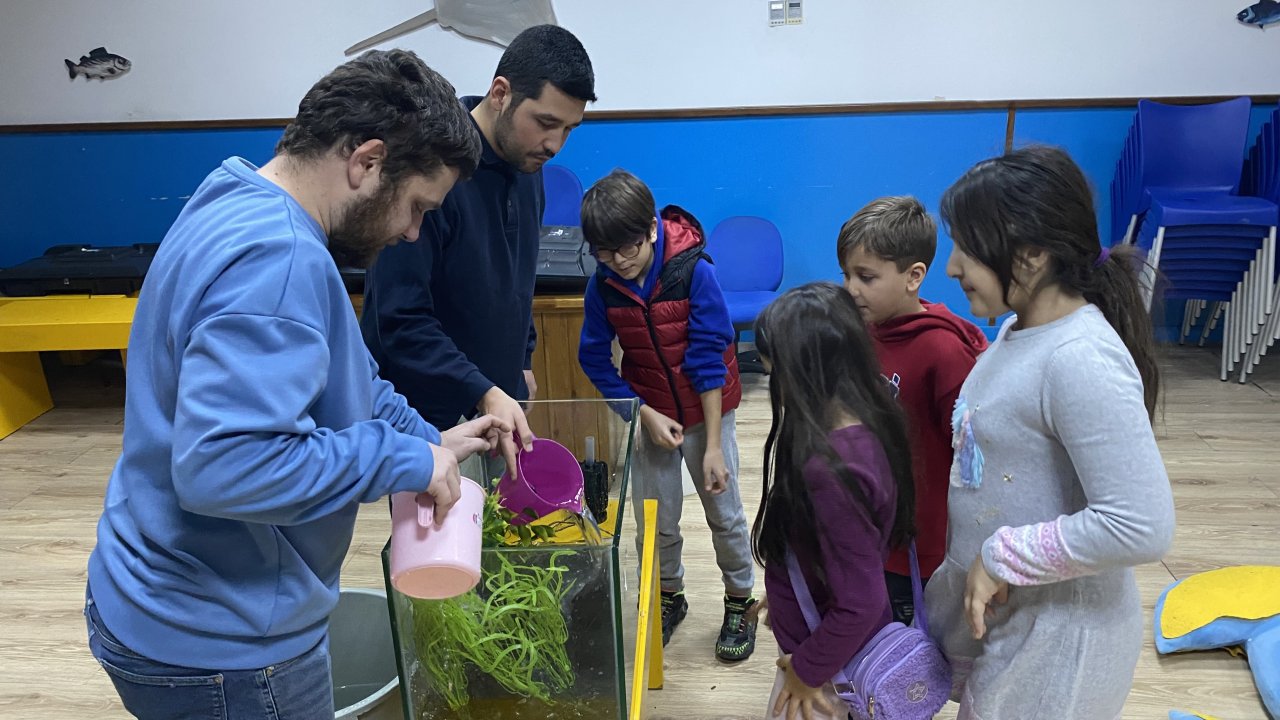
x: 483, y: 433
x: 715, y: 473
x: 505, y: 408
x: 532, y: 383
x: 664, y: 431
x: 444, y: 484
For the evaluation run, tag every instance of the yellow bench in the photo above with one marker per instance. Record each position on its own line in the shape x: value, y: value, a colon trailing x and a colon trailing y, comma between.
x: 31, y: 325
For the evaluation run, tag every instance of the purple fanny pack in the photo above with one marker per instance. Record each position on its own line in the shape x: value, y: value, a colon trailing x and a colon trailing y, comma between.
x: 900, y: 674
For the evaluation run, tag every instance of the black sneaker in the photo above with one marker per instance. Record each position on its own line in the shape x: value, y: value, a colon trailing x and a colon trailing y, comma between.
x: 738, y: 635
x: 674, y: 608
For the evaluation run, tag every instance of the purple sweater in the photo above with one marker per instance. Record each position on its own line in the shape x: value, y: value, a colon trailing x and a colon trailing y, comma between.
x: 853, y: 603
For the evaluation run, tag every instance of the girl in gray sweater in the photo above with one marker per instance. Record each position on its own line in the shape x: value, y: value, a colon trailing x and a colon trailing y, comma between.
x: 1057, y: 487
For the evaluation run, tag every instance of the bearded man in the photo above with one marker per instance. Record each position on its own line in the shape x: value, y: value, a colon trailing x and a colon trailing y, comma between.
x: 450, y: 320
x: 255, y: 420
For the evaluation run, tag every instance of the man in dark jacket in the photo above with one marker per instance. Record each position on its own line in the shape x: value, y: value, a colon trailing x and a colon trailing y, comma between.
x: 449, y: 319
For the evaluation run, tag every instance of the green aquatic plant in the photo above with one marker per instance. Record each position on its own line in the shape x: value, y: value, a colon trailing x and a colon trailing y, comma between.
x: 512, y: 628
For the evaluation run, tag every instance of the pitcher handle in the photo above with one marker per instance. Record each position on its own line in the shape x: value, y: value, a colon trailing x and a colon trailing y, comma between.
x: 426, y: 510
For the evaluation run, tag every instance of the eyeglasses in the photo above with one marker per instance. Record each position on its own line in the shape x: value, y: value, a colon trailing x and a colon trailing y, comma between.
x: 626, y: 252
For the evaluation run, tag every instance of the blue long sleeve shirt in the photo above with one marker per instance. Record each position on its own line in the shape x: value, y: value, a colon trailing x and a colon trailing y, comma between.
x: 255, y: 424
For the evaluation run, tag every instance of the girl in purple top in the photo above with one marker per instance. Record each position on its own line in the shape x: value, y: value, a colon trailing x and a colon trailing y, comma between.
x: 838, y: 490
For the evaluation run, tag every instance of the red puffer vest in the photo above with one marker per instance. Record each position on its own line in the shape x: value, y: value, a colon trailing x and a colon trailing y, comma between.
x: 655, y: 334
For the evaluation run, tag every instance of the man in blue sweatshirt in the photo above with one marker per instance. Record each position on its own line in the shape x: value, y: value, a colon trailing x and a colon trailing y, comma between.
x: 450, y: 319
x: 255, y: 421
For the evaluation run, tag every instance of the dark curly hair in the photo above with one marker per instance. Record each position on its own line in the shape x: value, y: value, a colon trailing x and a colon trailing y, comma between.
x: 388, y: 95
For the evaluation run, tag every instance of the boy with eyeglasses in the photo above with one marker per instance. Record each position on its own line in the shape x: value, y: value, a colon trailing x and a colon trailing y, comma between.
x: 656, y: 291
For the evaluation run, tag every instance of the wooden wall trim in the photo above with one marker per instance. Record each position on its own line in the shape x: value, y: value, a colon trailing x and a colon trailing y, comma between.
x: 904, y: 107
x: 685, y: 113
x: 246, y: 123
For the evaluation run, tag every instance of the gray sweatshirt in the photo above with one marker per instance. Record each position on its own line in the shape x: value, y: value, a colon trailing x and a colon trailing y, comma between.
x: 1058, y: 484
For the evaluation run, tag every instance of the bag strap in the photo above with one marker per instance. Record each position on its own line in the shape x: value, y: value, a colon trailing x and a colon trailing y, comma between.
x: 801, y: 589
x: 917, y: 591
x: 811, y: 617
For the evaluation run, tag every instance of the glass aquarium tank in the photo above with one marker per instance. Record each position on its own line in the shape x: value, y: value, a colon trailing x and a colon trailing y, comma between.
x: 549, y: 633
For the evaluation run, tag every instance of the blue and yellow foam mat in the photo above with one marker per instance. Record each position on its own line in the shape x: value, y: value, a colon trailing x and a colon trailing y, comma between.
x: 1234, y: 606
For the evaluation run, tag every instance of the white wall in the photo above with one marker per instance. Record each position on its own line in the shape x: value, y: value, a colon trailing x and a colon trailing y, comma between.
x: 219, y: 59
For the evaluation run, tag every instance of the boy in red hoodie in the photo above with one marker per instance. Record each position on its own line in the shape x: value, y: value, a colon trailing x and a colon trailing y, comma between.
x: 924, y: 351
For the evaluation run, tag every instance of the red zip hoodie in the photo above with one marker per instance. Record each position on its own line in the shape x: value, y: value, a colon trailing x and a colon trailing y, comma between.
x: 927, y: 356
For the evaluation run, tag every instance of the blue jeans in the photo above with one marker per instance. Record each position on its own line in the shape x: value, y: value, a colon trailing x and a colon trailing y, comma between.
x: 295, y: 689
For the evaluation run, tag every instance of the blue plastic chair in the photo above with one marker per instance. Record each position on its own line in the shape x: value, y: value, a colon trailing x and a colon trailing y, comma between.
x: 1260, y: 176
x: 1218, y: 295
x: 1229, y: 264
x: 564, y: 196
x: 1177, y: 179
x: 1262, y: 179
x: 1220, y: 289
x: 746, y: 252
x: 1200, y: 146
x: 1178, y: 148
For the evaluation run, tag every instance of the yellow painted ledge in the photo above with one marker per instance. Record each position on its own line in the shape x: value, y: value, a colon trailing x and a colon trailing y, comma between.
x: 66, y: 322
x: 648, y: 660
x: 30, y: 326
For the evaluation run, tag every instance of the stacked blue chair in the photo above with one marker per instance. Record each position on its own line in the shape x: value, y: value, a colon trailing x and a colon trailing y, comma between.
x: 1175, y: 195
x: 1262, y: 179
x: 747, y: 254
x: 1179, y: 148
x: 564, y: 196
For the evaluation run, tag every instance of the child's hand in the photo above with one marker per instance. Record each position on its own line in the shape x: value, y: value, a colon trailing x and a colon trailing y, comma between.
x: 759, y: 612
x: 979, y: 591
x: 664, y: 431
x: 714, y: 471
x: 797, y: 699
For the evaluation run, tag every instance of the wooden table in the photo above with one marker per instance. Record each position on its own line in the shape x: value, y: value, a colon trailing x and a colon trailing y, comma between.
x: 558, y: 319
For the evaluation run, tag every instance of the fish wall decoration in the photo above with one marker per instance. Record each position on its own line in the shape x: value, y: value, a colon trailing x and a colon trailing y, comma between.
x: 99, y: 64
x: 1260, y: 14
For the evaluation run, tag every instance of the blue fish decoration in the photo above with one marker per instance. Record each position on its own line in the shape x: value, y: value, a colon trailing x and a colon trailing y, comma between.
x: 1261, y: 13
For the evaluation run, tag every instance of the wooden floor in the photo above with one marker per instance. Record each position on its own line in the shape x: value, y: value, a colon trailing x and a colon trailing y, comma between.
x: 1221, y: 442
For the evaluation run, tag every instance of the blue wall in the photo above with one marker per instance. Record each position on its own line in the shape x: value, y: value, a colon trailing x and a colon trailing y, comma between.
x: 807, y: 174
x: 107, y: 188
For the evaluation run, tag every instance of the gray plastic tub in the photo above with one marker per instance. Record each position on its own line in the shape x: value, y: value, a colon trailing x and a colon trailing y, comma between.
x: 366, y: 685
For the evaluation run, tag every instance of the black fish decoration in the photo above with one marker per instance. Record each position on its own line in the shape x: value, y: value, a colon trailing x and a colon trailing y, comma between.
x: 1261, y: 13
x: 98, y: 64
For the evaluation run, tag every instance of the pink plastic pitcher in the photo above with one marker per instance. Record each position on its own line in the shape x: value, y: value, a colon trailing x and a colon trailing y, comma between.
x: 550, y: 479
x: 431, y: 560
